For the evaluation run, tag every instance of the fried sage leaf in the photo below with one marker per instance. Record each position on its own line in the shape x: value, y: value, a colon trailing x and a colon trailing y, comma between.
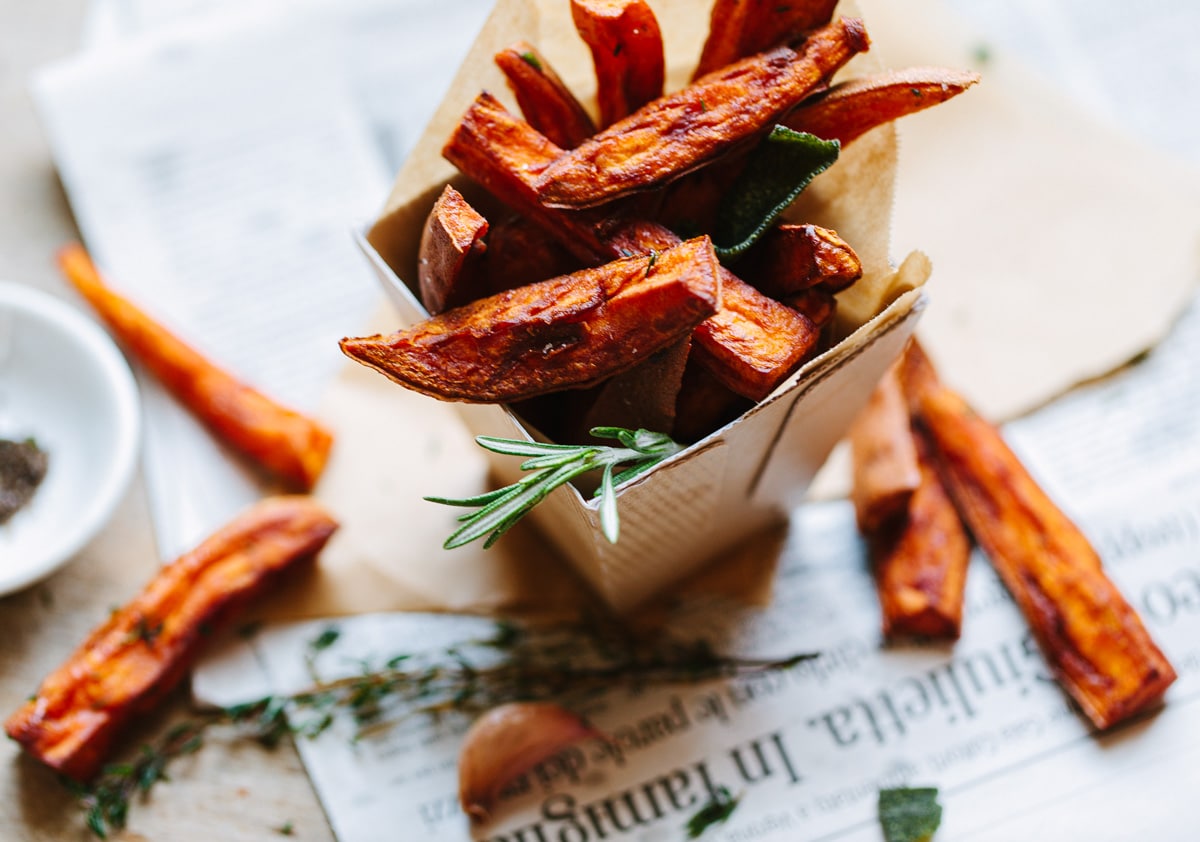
x: 781, y: 167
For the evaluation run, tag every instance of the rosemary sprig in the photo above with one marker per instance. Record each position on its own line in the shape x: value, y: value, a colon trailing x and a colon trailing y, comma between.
x: 510, y: 665
x: 554, y: 465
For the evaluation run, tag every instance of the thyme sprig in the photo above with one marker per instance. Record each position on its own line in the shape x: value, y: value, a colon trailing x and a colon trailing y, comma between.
x: 554, y: 465
x: 512, y: 664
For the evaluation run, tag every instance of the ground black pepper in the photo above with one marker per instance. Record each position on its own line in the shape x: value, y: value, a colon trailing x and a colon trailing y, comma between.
x: 22, y: 468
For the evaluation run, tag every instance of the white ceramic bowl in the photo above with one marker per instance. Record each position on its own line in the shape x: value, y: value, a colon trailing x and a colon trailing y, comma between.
x: 63, y: 382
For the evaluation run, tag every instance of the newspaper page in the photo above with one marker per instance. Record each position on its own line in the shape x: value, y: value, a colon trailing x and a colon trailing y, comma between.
x: 806, y: 750
x: 220, y: 157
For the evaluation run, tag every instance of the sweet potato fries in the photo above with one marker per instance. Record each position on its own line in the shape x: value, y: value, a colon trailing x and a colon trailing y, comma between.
x: 1091, y: 637
x: 141, y: 651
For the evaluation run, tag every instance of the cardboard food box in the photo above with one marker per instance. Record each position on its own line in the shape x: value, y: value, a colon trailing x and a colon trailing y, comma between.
x: 747, y: 475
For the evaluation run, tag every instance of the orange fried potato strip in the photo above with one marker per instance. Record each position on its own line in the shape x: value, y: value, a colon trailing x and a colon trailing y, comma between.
x: 791, y: 258
x: 286, y: 443
x: 545, y: 101
x: 1091, y: 637
x: 572, y: 331
x: 921, y: 561
x: 884, y: 456
x: 520, y: 252
x: 850, y: 109
x: 677, y: 133
x: 451, y: 252
x: 739, y: 28
x: 817, y: 304
x: 627, y: 51
x: 142, y: 650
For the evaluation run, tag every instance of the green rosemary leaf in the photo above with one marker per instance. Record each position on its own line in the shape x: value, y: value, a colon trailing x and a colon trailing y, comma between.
x: 609, y: 521
x: 716, y: 811
x: 514, y: 447
x: 477, y: 500
x: 909, y: 814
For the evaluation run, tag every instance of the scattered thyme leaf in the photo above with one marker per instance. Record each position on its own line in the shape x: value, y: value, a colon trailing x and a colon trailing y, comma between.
x: 716, y: 810
x: 511, y: 664
x: 286, y: 829
x: 909, y: 814
x: 325, y: 639
x: 532, y: 60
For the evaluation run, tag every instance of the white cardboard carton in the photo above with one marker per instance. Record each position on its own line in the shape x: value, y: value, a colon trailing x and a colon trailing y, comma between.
x: 749, y: 474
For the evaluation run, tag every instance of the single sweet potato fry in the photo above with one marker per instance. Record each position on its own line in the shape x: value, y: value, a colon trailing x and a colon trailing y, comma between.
x: 520, y: 252
x: 142, y: 650
x: 850, y: 109
x: 449, y: 267
x: 677, y: 133
x: 739, y: 28
x: 921, y: 560
x: 572, y: 331
x: 884, y: 456
x: 791, y: 258
x: 545, y: 101
x: 1091, y: 637
x: 627, y: 51
x: 704, y: 404
x: 286, y: 443
x: 754, y: 342
x: 643, y: 397
x: 817, y: 304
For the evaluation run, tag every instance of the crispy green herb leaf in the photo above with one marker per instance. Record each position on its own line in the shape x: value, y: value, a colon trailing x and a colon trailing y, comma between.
x: 716, y: 811
x: 554, y: 465
x: 779, y: 169
x: 532, y: 60
x: 909, y: 814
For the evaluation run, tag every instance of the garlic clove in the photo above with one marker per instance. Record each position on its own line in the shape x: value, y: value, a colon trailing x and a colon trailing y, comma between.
x: 507, y: 742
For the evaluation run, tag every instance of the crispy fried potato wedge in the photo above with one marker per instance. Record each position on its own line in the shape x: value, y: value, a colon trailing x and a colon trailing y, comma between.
x: 884, y: 456
x: 921, y: 560
x: 644, y: 397
x: 449, y: 265
x: 817, y: 304
x: 545, y: 101
x: 850, y: 109
x: 286, y: 443
x: 572, y: 331
x: 627, y: 51
x: 520, y: 252
x: 704, y: 404
x: 677, y: 133
x: 143, y: 649
x: 740, y: 28
x: 792, y: 258
x: 1092, y: 638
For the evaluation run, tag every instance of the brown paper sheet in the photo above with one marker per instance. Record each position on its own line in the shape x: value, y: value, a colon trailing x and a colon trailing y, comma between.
x: 1014, y: 196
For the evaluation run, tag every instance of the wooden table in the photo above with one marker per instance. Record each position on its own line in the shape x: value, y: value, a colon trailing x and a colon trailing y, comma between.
x: 231, y: 790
